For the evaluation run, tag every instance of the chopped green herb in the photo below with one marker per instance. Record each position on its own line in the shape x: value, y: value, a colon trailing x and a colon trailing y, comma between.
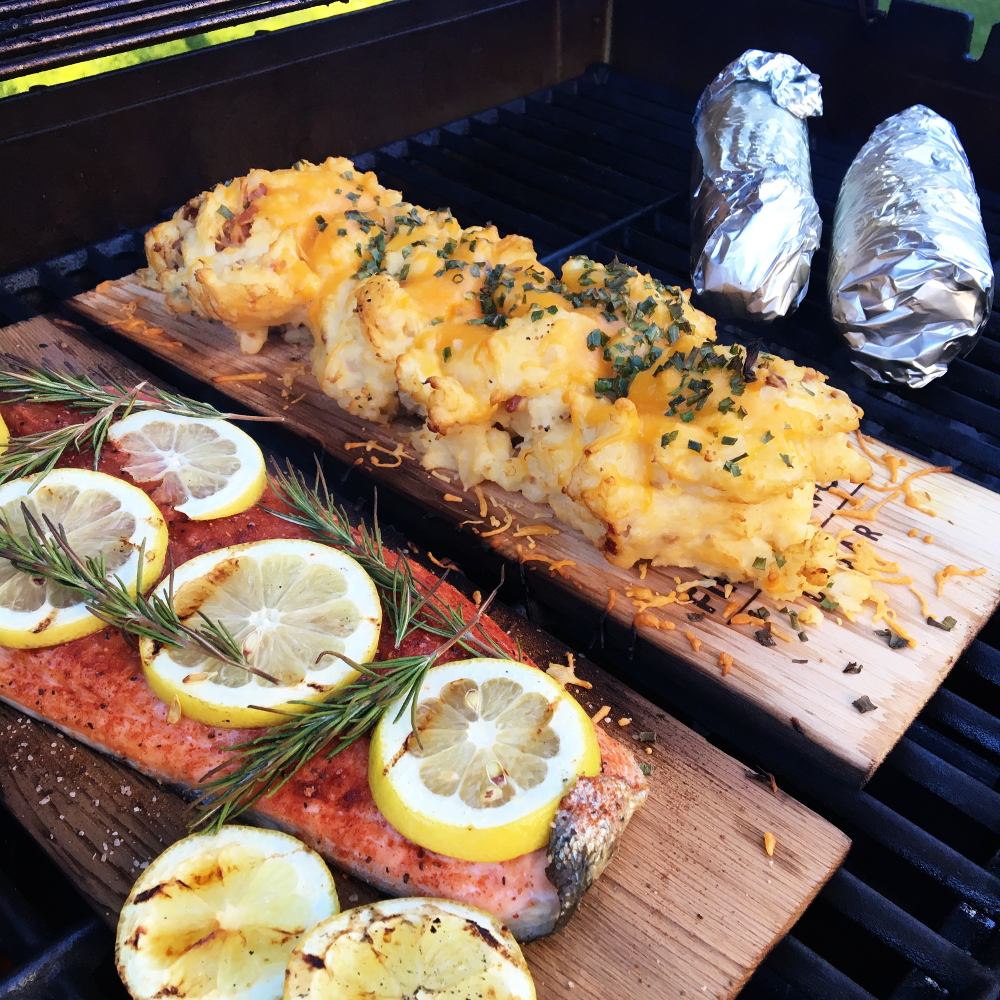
x: 537, y: 315
x: 766, y: 436
x: 828, y: 603
x: 647, y: 737
x: 595, y: 339
x: 741, y: 413
x: 603, y: 385
x: 852, y: 668
x: 946, y: 624
x: 224, y: 212
x: 434, y: 322
x: 864, y: 704
x: 552, y: 310
x: 725, y: 405
x: 403, y: 272
x: 343, y: 232
x: 321, y: 223
x: 446, y: 354
x: 763, y: 636
x: 762, y: 613
x: 787, y: 461
x: 348, y: 175
x: 688, y: 417
x: 760, y: 563
x: 729, y: 440
x: 694, y: 445
x: 645, y: 768
x: 803, y: 637
x: 668, y: 439
x: 352, y: 196
x: 894, y: 640
x: 732, y: 468
x: 698, y: 616
x: 781, y: 560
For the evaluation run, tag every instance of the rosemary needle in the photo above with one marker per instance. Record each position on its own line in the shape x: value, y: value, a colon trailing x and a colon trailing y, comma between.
x: 106, y: 404
x: 49, y: 555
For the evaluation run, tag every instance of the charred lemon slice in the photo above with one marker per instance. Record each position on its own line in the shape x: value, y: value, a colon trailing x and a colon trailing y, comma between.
x: 409, y: 948
x: 218, y: 916
x: 287, y: 602
x: 104, y: 518
x: 497, y: 745
x: 207, y: 468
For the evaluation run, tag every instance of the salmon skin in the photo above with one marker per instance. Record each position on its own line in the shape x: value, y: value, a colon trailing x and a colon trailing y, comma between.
x: 94, y: 690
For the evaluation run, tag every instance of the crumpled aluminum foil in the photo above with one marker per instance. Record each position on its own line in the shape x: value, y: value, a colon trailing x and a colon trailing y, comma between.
x: 911, y: 282
x: 754, y: 221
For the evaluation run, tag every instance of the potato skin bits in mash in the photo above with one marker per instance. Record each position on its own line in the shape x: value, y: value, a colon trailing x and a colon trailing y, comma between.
x: 601, y: 393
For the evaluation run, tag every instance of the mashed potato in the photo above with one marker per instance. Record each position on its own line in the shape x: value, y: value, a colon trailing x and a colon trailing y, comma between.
x: 601, y: 393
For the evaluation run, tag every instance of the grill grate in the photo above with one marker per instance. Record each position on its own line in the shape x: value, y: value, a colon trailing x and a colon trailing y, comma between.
x: 42, y: 34
x: 600, y: 165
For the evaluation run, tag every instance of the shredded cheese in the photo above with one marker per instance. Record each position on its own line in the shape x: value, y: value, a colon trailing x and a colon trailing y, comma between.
x: 862, y: 441
x: 929, y: 539
x: 451, y: 498
x: 555, y: 565
x: 944, y: 575
x: 743, y: 620
x: 566, y: 675
x: 612, y: 597
x: 643, y: 569
x: 694, y: 640
x: 784, y: 636
x: 651, y: 621
x: 441, y: 476
x: 726, y: 662
x: 508, y: 521
x: 535, y: 529
x: 444, y: 564
x: 602, y: 713
x: 924, y: 606
x: 844, y: 495
x: 893, y: 462
x: 483, y: 507
x: 872, y: 512
x: 708, y: 582
x: 242, y: 377
x: 912, y: 533
x: 730, y: 608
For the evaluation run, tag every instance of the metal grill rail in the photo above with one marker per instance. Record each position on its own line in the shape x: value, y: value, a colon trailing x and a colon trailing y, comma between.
x: 599, y: 165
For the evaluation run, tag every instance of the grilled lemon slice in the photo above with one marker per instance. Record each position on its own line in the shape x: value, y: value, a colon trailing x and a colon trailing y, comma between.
x: 103, y: 517
x: 209, y: 468
x: 409, y: 948
x: 287, y: 602
x: 498, y: 743
x: 218, y: 916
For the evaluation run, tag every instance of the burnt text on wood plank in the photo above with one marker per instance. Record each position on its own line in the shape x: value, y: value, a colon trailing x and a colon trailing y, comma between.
x: 775, y: 688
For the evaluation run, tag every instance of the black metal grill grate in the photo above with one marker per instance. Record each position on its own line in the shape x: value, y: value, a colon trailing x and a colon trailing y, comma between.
x: 42, y: 34
x: 599, y: 165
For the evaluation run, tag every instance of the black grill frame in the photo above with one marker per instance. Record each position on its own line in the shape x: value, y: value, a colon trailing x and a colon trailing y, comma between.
x: 919, y: 896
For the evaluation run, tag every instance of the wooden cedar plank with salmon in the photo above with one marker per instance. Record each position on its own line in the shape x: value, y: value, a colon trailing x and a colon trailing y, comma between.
x: 93, y: 688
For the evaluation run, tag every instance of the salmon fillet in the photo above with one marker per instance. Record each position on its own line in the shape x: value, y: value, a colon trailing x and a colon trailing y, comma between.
x: 94, y: 690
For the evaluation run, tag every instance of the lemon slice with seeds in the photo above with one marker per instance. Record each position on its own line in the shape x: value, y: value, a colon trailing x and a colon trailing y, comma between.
x: 217, y: 917
x: 497, y: 745
x: 209, y: 468
x: 414, y: 947
x: 103, y: 517
x: 287, y: 602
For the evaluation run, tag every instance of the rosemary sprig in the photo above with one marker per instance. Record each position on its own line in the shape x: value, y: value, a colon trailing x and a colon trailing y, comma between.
x: 261, y: 766
x: 407, y: 605
x: 106, y: 403
x: 50, y: 556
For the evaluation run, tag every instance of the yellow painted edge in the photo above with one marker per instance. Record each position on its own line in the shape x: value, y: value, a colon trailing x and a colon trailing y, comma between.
x: 122, y: 60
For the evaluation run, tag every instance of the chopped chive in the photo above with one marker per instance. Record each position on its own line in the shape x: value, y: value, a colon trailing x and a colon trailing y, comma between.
x: 781, y: 560
x: 766, y: 436
x: 434, y: 322
x: 647, y: 737
x: 224, y: 212
x: 693, y: 445
x: 763, y: 636
x: 787, y: 461
x: 403, y: 272
x: 732, y: 468
x: 645, y: 768
x: 947, y: 624
x: 729, y: 440
x: 536, y: 315
x: 741, y: 413
x: 828, y: 604
x: 668, y: 438
x: 688, y: 417
x: 446, y: 354
x: 552, y: 310
x: 341, y: 232
x: 760, y: 563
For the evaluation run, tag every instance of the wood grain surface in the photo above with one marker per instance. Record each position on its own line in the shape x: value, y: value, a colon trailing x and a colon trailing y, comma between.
x: 689, y: 907
x: 809, y: 706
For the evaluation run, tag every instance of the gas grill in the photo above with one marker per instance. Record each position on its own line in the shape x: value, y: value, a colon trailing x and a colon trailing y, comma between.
x: 599, y: 165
